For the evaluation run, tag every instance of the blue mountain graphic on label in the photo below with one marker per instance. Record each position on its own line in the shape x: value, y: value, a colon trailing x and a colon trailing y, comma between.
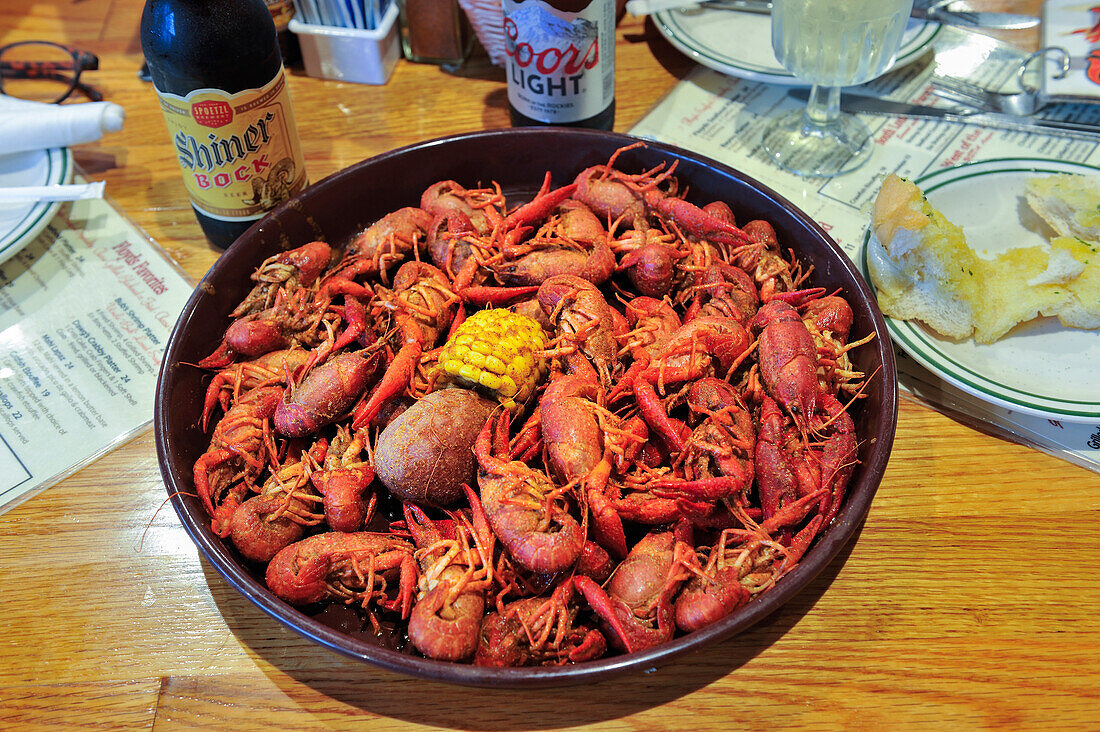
x: 545, y: 29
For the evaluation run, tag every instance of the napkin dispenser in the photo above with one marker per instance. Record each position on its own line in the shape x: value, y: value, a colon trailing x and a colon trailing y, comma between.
x: 350, y: 54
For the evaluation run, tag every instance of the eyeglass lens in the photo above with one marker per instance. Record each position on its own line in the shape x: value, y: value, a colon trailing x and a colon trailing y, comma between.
x: 40, y: 72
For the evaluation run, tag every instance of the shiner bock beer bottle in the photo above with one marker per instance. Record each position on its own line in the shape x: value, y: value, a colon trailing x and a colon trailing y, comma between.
x: 219, y: 75
x: 561, y: 62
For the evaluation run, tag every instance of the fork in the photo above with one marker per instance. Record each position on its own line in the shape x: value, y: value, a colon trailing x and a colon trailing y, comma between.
x: 1021, y: 103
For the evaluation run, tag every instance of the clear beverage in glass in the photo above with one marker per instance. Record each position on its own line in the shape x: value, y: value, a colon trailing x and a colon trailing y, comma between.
x: 830, y: 44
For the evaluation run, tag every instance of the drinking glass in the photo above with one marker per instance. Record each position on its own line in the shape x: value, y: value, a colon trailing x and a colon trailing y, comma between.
x: 830, y: 43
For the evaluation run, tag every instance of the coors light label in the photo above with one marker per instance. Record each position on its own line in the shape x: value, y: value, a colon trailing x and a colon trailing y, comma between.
x: 561, y: 65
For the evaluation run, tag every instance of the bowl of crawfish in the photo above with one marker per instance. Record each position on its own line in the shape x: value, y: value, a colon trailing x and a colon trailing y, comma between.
x: 726, y: 490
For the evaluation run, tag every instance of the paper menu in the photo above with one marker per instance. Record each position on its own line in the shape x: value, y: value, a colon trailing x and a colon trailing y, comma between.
x: 723, y: 118
x: 85, y: 313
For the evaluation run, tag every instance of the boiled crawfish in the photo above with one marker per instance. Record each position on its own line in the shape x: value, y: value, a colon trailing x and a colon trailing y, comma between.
x: 367, y: 568
x: 456, y: 561
x: 526, y: 509
x: 282, y: 511
x: 240, y: 448
x: 539, y: 631
x: 637, y: 605
x: 422, y: 306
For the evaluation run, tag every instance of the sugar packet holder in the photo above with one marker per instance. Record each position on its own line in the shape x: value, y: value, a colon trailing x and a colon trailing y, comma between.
x: 350, y: 54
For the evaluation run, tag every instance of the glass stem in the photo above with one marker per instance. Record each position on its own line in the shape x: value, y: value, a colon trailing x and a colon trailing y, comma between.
x: 823, y: 106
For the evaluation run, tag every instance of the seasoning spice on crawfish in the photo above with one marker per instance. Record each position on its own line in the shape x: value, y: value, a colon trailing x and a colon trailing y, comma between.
x: 611, y: 416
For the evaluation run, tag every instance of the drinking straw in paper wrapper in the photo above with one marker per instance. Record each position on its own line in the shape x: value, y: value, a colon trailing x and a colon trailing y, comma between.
x: 487, y: 20
x: 34, y: 126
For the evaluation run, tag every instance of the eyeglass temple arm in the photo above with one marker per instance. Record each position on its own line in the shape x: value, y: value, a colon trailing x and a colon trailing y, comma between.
x: 91, y: 92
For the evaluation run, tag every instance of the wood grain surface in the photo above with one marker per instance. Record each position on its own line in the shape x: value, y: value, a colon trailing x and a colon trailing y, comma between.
x: 968, y: 600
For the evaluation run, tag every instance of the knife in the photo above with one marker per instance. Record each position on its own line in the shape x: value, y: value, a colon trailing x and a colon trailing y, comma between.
x: 860, y: 104
x: 941, y: 12
x: 937, y: 12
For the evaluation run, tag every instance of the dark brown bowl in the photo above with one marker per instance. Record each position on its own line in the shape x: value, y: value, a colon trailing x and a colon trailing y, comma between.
x: 338, y: 207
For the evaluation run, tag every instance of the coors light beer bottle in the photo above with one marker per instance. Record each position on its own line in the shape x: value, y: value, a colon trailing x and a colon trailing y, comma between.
x: 561, y: 62
x: 219, y: 75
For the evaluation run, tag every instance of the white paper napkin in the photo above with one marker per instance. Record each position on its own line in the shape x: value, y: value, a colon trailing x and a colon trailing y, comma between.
x: 35, y: 126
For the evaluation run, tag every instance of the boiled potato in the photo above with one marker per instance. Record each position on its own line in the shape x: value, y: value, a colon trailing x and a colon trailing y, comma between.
x: 426, y: 454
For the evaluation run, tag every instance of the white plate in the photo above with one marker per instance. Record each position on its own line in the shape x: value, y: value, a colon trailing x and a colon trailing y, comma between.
x: 740, y: 44
x: 20, y: 223
x: 1040, y: 368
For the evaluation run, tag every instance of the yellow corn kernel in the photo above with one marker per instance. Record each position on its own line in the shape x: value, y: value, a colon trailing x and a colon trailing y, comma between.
x: 468, y: 372
x: 491, y: 381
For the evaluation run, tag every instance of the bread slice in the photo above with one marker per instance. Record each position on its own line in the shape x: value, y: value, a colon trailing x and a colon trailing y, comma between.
x: 925, y: 270
x: 1020, y: 285
x: 920, y: 262
x: 1070, y: 204
x: 1083, y: 308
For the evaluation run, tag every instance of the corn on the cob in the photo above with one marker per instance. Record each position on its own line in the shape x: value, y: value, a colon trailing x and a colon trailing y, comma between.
x: 495, y: 351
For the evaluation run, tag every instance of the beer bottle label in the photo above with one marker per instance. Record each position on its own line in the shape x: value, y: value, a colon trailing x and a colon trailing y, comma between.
x: 239, y: 153
x: 560, y: 64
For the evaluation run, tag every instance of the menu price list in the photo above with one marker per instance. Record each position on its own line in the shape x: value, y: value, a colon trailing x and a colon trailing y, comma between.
x: 85, y: 313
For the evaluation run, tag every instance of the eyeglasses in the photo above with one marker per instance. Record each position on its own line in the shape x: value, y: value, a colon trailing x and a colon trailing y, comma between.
x: 42, y: 71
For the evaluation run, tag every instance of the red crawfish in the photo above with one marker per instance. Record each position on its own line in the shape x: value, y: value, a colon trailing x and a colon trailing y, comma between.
x: 275, y: 306
x: 344, y: 481
x: 456, y: 562
x: 294, y: 319
x: 788, y: 360
x: 721, y: 289
x: 582, y: 322
x: 279, y: 515
x: 763, y: 260
x: 527, y: 511
x: 633, y: 198
x: 239, y: 449
x: 791, y: 465
x: 458, y: 239
x: 423, y: 307
x: 326, y: 393
x: 570, y: 241
x: 584, y: 442
x: 701, y: 347
x: 649, y: 258
x: 637, y: 607
x: 717, y: 459
x: 539, y: 631
x: 482, y: 207
x: 829, y: 321
x: 270, y: 369
x: 651, y: 322
x: 464, y: 255
x: 739, y: 564
x: 383, y: 245
x: 368, y: 568
x: 289, y: 271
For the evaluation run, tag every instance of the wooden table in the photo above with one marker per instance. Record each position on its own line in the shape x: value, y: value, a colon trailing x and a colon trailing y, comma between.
x: 968, y: 599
